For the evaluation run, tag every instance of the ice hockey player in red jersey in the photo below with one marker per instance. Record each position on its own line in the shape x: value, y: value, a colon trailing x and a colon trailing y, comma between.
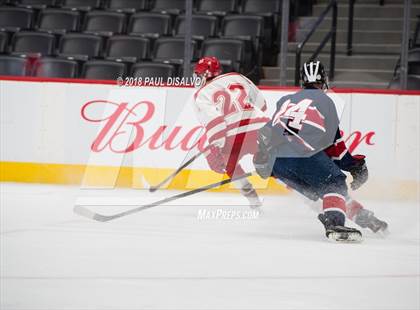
x: 302, y: 147
x: 232, y: 109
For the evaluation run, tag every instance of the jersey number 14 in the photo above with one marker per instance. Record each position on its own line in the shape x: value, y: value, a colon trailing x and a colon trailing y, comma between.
x: 295, y: 113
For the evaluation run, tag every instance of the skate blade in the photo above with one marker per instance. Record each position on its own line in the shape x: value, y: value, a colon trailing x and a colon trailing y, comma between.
x: 256, y: 207
x: 345, y: 237
x: 255, y: 203
x: 380, y: 231
x: 383, y: 233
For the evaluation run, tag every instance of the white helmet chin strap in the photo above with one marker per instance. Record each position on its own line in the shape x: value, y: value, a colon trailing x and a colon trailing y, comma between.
x: 313, y: 74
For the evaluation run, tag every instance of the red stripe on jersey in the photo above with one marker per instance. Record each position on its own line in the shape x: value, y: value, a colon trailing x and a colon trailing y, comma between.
x: 248, y: 121
x: 241, y: 123
x: 214, y: 122
x: 216, y: 136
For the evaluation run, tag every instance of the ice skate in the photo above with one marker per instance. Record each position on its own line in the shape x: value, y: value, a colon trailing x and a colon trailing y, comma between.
x: 339, y: 233
x: 366, y: 219
x: 251, y: 194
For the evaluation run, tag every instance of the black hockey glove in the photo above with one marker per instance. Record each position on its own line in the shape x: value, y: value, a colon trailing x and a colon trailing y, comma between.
x: 263, y: 159
x: 359, y: 172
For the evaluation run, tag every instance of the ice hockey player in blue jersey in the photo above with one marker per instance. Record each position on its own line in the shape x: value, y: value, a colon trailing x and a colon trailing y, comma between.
x: 302, y: 146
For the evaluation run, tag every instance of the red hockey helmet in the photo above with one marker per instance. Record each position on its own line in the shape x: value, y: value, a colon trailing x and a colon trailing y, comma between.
x: 208, y: 67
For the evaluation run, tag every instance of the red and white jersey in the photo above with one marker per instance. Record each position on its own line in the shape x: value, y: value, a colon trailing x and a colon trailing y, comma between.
x: 228, y: 105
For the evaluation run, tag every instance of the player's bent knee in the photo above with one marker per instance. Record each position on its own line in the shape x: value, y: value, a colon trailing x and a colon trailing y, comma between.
x: 334, y: 185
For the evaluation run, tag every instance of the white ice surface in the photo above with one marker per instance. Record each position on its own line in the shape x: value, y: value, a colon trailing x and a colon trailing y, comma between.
x: 164, y: 258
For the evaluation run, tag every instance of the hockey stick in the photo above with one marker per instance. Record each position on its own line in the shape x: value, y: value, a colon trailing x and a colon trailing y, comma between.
x: 173, y: 174
x: 105, y: 218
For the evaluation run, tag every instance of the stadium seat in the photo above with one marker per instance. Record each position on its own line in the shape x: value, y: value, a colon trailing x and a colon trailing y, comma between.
x: 202, y: 26
x: 10, y: 65
x: 82, y: 5
x: 126, y: 6
x: 104, y: 23
x: 217, y: 7
x: 56, y: 67
x: 149, y: 24
x: 414, y: 54
x: 80, y: 45
x: 413, y: 83
x: 33, y: 42
x: 4, y: 38
x: 36, y: 4
x: 248, y: 28
x: 413, y: 63
x: 270, y: 10
x: 58, y: 20
x: 152, y: 70
x: 230, y: 52
x: 261, y: 6
x: 414, y: 67
x: 415, y: 41
x: 171, y: 50
x: 14, y: 19
x: 127, y: 48
x: 103, y: 70
x: 169, y: 6
x: 244, y: 27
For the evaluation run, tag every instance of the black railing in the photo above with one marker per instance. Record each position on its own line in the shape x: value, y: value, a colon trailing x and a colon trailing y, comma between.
x: 331, y: 35
x: 350, y: 28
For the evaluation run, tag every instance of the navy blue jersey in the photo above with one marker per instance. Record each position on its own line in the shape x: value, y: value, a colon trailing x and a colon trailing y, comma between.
x: 305, y: 122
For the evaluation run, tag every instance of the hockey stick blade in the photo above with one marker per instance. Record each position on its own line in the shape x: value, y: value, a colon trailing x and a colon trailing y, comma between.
x: 153, y: 189
x: 80, y: 210
x: 146, y: 184
x: 85, y: 212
